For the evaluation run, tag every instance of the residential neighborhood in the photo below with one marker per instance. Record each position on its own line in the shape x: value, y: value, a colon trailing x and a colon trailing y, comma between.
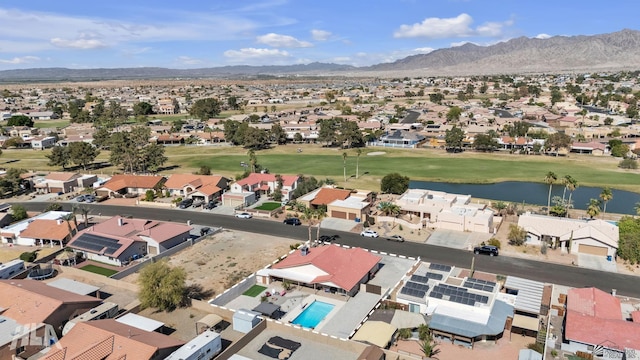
x: 222, y: 193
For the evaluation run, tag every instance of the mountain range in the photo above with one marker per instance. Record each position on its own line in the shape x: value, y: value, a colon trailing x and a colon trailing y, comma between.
x: 604, y: 52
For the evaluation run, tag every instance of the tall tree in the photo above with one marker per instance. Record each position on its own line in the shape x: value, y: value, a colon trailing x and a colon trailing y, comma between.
x: 278, y: 135
x: 350, y: 134
x: 606, y: 195
x: 593, y: 208
x: 162, y: 286
x: 453, y: 138
x: 453, y: 115
x: 82, y: 153
x: 142, y: 108
x: 59, y: 156
x: 204, y: 109
x: 344, y: 165
x: 20, y: 120
x: 571, y: 184
x: 253, y: 160
x: 358, y: 153
x: 550, y: 179
x: 394, y: 183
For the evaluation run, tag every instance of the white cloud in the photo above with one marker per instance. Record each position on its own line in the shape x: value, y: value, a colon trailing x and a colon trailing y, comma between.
x: 542, y: 36
x: 423, y: 50
x: 320, y: 35
x: 278, y: 40
x: 435, y: 28
x: 20, y: 60
x: 38, y: 31
x: 83, y: 44
x: 253, y: 55
x: 459, y: 26
x: 187, y: 60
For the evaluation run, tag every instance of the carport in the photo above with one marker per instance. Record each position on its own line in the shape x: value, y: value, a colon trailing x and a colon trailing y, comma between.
x: 210, y: 321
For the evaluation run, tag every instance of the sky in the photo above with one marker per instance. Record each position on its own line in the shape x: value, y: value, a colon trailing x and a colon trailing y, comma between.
x: 198, y: 33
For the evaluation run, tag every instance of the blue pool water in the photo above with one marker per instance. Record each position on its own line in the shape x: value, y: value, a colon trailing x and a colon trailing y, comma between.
x: 313, y: 314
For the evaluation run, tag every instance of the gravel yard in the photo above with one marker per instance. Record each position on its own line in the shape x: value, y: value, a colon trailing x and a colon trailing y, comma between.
x: 225, y: 258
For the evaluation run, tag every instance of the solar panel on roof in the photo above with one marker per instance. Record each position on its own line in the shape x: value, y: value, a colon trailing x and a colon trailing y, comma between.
x: 434, y: 276
x: 440, y: 267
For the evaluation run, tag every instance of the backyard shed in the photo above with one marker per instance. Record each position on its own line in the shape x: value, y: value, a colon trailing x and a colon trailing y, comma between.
x: 267, y: 309
x: 244, y: 320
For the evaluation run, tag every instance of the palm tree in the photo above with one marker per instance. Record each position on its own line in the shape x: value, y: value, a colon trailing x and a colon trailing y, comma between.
x: 565, y: 180
x: 320, y: 213
x: 571, y: 185
x: 344, y: 165
x: 605, y: 196
x: 358, y: 153
x: 593, y: 209
x: 309, y: 216
x: 85, y: 210
x: 253, y: 160
x: 550, y: 179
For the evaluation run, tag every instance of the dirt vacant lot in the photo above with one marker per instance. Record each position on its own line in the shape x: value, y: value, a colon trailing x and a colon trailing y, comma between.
x: 225, y: 258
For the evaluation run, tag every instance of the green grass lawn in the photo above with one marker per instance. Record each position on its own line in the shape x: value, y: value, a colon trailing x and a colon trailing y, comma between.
x: 98, y: 270
x: 269, y: 206
x: 417, y: 164
x: 254, y: 291
x: 50, y: 124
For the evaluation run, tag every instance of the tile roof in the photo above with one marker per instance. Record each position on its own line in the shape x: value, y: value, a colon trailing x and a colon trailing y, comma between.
x: 30, y: 301
x: 343, y: 267
x: 327, y: 195
x: 62, y: 176
x: 257, y: 178
x: 122, y: 181
x: 595, y: 317
x: 47, y: 229
x: 111, y: 340
x: 178, y: 181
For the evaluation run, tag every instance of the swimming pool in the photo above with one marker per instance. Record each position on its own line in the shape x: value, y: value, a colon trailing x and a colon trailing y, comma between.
x: 313, y: 314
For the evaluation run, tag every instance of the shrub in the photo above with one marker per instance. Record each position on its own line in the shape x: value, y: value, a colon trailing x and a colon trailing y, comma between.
x: 53, y: 207
x: 149, y: 195
x: 18, y: 212
x: 494, y: 242
x: 628, y: 164
x: 400, y: 227
x: 29, y: 256
x: 404, y: 333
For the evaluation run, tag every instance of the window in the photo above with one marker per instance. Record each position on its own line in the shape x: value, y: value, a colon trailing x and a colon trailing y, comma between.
x: 414, y: 308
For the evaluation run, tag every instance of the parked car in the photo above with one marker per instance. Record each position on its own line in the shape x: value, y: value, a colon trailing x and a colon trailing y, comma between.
x: 397, y: 238
x: 369, y: 233
x: 89, y: 198
x: 197, y: 203
x: 292, y: 221
x: 244, y: 215
x: 486, y: 250
x: 81, y: 198
x: 210, y: 205
x: 185, y: 203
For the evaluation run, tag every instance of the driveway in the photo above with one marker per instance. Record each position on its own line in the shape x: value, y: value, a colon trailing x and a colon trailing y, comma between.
x: 338, y: 224
x: 596, y: 262
x: 457, y: 239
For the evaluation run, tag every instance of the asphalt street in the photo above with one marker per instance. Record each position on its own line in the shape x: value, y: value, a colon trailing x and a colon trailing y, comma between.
x: 573, y: 276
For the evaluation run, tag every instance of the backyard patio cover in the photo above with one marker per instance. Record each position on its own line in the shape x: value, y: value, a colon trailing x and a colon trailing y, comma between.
x: 267, y: 309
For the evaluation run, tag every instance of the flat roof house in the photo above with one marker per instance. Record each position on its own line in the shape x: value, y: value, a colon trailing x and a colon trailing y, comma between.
x: 463, y: 310
x: 64, y: 182
x: 332, y: 268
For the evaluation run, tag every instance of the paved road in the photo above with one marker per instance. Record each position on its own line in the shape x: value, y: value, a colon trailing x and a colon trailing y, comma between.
x: 626, y: 285
x: 412, y: 117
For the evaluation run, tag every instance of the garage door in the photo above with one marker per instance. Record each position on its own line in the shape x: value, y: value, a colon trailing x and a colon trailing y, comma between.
x: 352, y: 216
x: 152, y: 250
x: 339, y: 214
x: 55, y: 190
x: 233, y: 202
x: 593, y: 250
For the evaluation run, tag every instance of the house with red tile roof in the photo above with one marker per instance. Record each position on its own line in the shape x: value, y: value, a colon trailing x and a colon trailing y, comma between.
x: 120, y: 240
x: 30, y: 302
x: 203, y: 187
x: 111, y: 340
x: 595, y: 324
x: 340, y: 203
x: 264, y: 184
x: 122, y: 184
x: 330, y: 268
